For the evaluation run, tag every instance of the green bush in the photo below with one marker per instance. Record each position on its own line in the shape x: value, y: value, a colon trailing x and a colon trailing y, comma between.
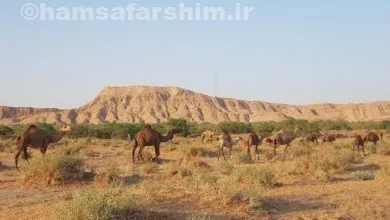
x: 48, y: 127
x: 6, y: 131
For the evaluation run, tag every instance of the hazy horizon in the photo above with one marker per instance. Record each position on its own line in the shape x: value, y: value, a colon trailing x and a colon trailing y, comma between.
x: 297, y: 53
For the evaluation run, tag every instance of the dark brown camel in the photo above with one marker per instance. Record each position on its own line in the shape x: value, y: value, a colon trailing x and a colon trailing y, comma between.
x: 254, y: 140
x: 150, y: 137
x: 284, y: 137
x: 35, y: 137
x: 328, y: 138
x: 311, y: 138
x: 371, y: 137
x: 359, y: 142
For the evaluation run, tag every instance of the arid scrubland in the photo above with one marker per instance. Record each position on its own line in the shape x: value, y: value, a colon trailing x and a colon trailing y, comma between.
x: 96, y: 179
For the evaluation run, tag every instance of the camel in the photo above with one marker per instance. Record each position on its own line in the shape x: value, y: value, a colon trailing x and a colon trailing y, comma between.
x: 207, y: 135
x: 284, y: 137
x: 371, y: 137
x: 381, y: 135
x: 225, y: 140
x: 311, y: 138
x: 150, y: 137
x: 254, y: 139
x: 328, y: 138
x: 269, y: 140
x: 35, y: 137
x: 359, y: 142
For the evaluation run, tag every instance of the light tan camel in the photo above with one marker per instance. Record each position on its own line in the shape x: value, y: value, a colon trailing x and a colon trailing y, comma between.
x: 359, y: 142
x: 254, y: 140
x: 284, y: 137
x: 35, y: 137
x: 150, y: 137
x: 207, y: 136
x: 225, y: 140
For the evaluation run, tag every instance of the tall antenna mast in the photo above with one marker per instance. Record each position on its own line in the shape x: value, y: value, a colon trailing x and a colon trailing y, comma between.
x: 215, y: 84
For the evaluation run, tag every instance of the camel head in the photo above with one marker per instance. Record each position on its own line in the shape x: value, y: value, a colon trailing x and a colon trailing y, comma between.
x: 65, y: 128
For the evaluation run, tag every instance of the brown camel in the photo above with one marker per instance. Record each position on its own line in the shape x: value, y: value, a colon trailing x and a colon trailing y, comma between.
x: 150, y: 137
x: 359, y: 142
x: 284, y: 137
x: 207, y: 136
x: 35, y: 137
x: 269, y: 140
x: 371, y: 137
x: 254, y: 140
x: 225, y: 140
x: 328, y: 138
x: 311, y: 138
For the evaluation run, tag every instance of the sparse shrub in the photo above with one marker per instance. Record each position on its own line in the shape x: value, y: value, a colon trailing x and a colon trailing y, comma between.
x: 147, y: 155
x: 53, y: 169
x: 244, y: 158
x: 149, y: 168
x: 225, y: 168
x: 6, y: 131
x: 362, y: 175
x: 110, y: 176
x: 194, y: 151
x: 96, y: 205
x: 255, y: 176
x: 384, y: 173
x: 384, y: 149
x: 73, y: 150
x: 301, y: 150
x: 171, y: 148
x: 327, y: 160
x: 91, y: 153
x: 269, y: 155
x: 2, y: 148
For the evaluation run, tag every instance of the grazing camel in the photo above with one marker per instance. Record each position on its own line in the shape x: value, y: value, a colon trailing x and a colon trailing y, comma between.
x: 150, y: 137
x: 371, y: 137
x: 359, y: 142
x: 284, y: 137
x: 35, y: 137
x: 254, y: 139
x: 207, y: 136
x: 328, y: 138
x: 225, y: 140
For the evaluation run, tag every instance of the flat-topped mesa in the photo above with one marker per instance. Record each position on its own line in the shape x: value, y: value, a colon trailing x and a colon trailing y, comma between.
x: 142, y: 89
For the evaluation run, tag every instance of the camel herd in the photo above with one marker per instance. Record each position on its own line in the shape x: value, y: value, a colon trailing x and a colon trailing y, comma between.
x: 37, y: 138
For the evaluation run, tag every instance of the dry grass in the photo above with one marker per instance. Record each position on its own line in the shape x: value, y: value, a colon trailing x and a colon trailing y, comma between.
x: 53, y: 170
x: 309, y: 181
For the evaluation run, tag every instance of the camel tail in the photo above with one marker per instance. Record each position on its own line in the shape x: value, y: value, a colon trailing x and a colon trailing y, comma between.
x: 134, y: 148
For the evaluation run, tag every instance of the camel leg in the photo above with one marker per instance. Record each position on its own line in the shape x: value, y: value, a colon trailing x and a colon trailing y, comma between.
x: 249, y: 150
x: 157, y: 151
x: 17, y: 157
x: 364, y: 153
x: 219, y: 153
x: 223, y: 154
x: 134, y: 149
x: 26, y: 155
x: 230, y: 152
x: 141, y: 149
x: 274, y: 150
x: 257, y: 152
x: 287, y: 146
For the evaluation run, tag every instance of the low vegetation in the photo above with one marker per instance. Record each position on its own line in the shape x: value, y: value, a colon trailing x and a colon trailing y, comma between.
x: 54, y: 170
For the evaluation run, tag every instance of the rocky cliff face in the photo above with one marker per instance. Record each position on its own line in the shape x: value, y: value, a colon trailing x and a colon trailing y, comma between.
x: 157, y: 104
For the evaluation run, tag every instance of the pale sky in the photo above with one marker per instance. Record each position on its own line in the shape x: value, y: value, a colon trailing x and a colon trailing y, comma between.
x: 294, y: 52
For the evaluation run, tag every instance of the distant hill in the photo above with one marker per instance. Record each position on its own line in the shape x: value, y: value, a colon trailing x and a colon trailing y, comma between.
x: 158, y: 104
